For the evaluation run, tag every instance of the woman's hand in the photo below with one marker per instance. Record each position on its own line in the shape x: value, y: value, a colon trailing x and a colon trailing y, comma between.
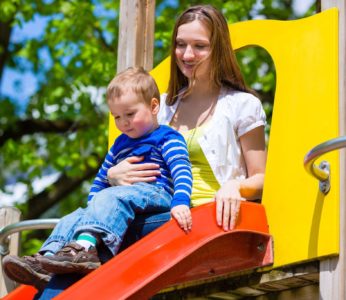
x: 128, y: 172
x: 228, y: 200
x: 182, y: 214
x: 230, y: 195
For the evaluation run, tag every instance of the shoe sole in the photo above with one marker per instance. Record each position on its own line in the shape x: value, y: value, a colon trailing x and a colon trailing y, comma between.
x: 65, y: 267
x: 22, y: 273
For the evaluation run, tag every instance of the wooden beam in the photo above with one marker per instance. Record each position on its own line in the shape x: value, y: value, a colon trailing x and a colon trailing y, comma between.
x: 9, y: 215
x: 333, y: 271
x: 257, y: 284
x: 136, y: 34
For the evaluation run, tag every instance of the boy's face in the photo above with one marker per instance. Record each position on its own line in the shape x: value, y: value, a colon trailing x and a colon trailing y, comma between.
x: 133, y: 116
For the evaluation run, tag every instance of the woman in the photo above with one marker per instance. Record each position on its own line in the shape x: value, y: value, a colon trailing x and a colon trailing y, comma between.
x: 223, y: 123
x: 221, y: 120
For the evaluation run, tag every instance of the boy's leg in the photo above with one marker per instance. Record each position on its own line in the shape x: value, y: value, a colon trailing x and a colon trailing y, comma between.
x: 142, y: 225
x: 108, y: 216
x: 112, y: 210
x: 28, y: 269
x: 63, y: 232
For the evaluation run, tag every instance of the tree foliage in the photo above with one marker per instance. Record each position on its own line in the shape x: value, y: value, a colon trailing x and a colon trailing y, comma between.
x: 63, y: 129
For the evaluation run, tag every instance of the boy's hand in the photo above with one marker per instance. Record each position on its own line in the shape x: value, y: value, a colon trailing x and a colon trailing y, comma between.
x: 183, y: 216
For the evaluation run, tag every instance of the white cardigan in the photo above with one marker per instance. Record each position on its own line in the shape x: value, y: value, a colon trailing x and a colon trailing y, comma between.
x: 235, y: 114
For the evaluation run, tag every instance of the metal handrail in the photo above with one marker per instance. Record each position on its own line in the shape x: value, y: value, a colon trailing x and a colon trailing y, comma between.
x: 322, y: 172
x: 6, y: 231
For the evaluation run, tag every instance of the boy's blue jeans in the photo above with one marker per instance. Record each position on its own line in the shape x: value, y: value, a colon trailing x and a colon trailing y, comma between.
x: 141, y: 226
x: 109, y: 214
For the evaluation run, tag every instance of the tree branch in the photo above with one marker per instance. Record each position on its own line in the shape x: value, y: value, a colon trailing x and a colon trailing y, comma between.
x: 24, y: 127
x: 103, y: 40
x: 64, y: 185
x: 5, y: 34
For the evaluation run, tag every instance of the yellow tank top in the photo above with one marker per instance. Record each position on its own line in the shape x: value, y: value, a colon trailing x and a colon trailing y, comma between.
x: 205, y: 184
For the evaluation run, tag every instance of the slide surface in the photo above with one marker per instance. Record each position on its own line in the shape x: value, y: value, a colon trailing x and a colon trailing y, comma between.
x: 168, y: 256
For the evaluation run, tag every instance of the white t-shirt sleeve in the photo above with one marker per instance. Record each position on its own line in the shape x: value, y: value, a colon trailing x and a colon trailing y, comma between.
x: 250, y: 114
x: 162, y: 116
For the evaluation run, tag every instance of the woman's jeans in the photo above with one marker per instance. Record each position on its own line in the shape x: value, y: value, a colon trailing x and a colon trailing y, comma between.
x: 109, y: 214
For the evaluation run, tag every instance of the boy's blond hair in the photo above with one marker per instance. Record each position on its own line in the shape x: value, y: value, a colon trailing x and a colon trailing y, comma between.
x: 135, y: 79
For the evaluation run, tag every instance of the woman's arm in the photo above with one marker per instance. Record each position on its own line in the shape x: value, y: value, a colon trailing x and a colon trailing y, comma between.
x: 255, y: 155
x: 129, y: 171
x: 233, y: 191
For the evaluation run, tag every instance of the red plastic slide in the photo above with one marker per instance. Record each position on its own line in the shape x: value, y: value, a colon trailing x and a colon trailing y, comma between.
x: 168, y: 256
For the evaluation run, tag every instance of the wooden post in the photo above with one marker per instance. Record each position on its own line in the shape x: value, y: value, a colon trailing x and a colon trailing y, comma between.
x: 9, y: 215
x: 136, y: 34
x: 333, y: 271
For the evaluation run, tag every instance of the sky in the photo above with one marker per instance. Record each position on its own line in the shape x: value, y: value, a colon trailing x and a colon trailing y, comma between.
x: 18, y: 85
x: 301, y: 6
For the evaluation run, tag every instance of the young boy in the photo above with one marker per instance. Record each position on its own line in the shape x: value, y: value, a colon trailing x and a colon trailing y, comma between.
x: 133, y: 100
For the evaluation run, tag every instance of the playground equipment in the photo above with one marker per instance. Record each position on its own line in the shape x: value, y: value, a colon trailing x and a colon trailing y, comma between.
x: 304, y: 219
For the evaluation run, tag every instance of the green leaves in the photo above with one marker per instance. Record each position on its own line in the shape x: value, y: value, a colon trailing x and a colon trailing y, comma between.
x: 8, y: 8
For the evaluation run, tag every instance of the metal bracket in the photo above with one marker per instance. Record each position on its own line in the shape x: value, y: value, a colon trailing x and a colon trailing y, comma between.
x: 325, y: 184
x: 322, y: 172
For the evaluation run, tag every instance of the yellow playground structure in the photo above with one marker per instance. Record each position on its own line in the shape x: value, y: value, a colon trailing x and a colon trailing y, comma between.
x: 305, y: 183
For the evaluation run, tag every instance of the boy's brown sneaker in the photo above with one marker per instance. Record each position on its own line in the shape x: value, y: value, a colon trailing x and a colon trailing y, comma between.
x: 26, y: 270
x: 73, y: 258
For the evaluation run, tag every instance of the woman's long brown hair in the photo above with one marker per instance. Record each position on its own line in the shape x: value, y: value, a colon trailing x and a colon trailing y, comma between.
x: 224, y: 67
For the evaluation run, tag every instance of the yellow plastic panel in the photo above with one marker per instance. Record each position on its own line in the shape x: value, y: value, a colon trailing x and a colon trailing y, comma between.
x: 304, y: 223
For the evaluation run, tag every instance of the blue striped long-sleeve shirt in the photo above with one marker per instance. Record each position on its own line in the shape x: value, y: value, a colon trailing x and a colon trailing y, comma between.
x: 165, y: 147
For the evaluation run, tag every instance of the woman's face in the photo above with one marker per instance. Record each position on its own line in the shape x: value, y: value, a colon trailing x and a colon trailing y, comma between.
x: 193, y: 46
